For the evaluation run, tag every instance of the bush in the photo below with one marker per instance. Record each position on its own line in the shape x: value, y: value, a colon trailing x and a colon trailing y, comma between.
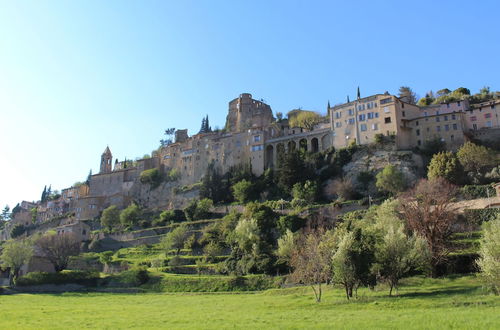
x: 133, y: 277
x: 129, y: 217
x: 489, y: 261
x: 290, y: 222
x: 477, y: 191
x: 479, y: 216
x: 17, y: 231
x: 152, y: 177
x: 307, y: 191
x: 446, y: 166
x: 169, y: 216
x: 243, y: 191
x: 390, y: 179
x: 87, y: 278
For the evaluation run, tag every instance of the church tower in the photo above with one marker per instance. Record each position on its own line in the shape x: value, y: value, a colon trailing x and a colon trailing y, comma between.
x: 106, y: 159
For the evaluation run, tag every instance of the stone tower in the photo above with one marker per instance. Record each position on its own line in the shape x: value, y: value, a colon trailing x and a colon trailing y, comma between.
x: 245, y: 112
x: 106, y: 160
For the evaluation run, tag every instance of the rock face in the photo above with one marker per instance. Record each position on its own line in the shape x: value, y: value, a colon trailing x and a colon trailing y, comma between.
x: 374, y: 160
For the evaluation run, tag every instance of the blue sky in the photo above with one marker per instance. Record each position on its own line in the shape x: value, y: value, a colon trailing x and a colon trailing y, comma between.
x: 76, y: 76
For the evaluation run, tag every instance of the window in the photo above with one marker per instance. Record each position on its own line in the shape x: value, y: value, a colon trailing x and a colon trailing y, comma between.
x: 362, y: 117
x: 370, y: 115
x: 445, y: 118
x: 374, y: 127
x: 425, y: 113
x: 374, y: 104
x: 452, y: 137
x: 376, y: 114
x: 438, y: 119
x: 338, y: 124
x: 386, y: 109
x: 351, y: 121
x: 447, y: 105
x: 473, y: 118
x: 453, y: 117
x: 437, y: 112
x: 458, y: 103
x: 418, y: 132
x: 474, y: 126
x: 428, y: 129
x: 403, y: 113
x: 256, y: 138
x: 338, y: 114
x: 438, y: 128
x: 446, y: 127
x: 455, y: 127
x: 257, y: 148
x: 363, y: 127
x: 416, y: 123
x: 489, y: 123
x: 385, y: 101
x: 419, y: 142
x: 492, y: 106
x: 487, y: 115
x: 351, y: 112
x: 387, y: 120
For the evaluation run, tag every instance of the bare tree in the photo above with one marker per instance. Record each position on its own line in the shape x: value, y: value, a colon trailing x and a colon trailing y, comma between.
x: 311, y: 260
x: 428, y: 211
x: 57, y: 248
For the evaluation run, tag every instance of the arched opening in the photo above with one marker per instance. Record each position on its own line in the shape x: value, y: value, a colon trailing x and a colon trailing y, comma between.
x: 291, y: 146
x: 269, y: 156
x: 303, y: 144
x: 314, y: 145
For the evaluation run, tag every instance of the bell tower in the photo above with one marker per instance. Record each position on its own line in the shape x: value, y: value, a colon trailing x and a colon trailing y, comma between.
x: 106, y: 160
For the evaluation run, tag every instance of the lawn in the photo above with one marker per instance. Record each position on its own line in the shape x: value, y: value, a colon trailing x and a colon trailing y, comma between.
x: 421, y: 303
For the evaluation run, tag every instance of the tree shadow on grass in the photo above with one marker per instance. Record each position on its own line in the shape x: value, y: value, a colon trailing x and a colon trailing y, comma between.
x: 441, y: 292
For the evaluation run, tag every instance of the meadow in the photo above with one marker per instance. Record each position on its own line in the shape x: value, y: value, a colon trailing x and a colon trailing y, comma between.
x: 421, y: 303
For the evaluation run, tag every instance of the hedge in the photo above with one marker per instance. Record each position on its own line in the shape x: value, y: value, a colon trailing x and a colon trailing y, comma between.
x: 478, y: 216
x: 65, y: 277
x: 477, y: 191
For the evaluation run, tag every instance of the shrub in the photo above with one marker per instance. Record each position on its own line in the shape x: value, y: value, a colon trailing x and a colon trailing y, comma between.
x: 489, y: 261
x: 479, y: 216
x: 446, y: 166
x: 110, y: 217
x: 390, y: 179
x: 290, y: 222
x: 17, y: 231
x: 343, y: 188
x: 169, y: 216
x: 87, y: 278
x: 134, y: 277
x: 307, y: 191
x: 243, y: 191
x: 477, y: 191
x: 130, y: 216
x: 152, y: 177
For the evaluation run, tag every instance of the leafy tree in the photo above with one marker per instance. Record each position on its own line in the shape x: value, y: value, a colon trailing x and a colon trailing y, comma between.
x: 15, y: 254
x: 292, y: 169
x: 445, y: 165
x: 152, y: 177
x: 203, y: 208
x: 391, y: 180
x: 474, y: 157
x: 310, y: 262
x: 129, y: 217
x: 175, y: 239
x: 290, y: 222
x: 307, y: 191
x: 17, y: 230
x: 407, y: 95
x: 169, y: 132
x: 427, y: 100
x: 106, y: 257
x: 343, y: 188
x: 433, y: 146
x: 110, y: 217
x: 243, y: 191
x: 428, y: 212
x: 443, y: 92
x: 58, y: 248
x: 247, y: 234
x: 286, y: 244
x: 489, y: 255
x: 304, y: 119
x: 5, y: 215
x: 352, y: 261
x: 213, y: 185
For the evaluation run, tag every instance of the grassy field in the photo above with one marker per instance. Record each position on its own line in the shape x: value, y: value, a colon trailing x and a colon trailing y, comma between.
x: 421, y: 303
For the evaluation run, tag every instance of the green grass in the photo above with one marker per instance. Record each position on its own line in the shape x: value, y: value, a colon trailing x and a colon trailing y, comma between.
x: 457, y: 303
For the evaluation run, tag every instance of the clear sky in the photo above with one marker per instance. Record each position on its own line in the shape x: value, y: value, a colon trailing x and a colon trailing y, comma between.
x: 76, y: 76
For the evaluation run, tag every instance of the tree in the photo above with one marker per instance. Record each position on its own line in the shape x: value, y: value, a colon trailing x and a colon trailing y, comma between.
x: 474, y: 158
x: 427, y: 100
x: 89, y: 176
x: 110, y: 217
x: 489, y: 255
x: 168, y: 137
x: 205, y: 126
x: 396, y: 254
x: 17, y: 230
x: 15, y: 254
x: 433, y: 146
x: 391, y: 180
x: 130, y: 216
x: 304, y: 119
x: 175, y: 239
x: 292, y: 169
x: 310, y: 262
x: 44, y: 195
x: 5, y: 215
x: 445, y: 165
x: 106, y: 257
x: 243, y: 191
x: 343, y: 188
x: 57, y: 248
x: 428, y: 212
x: 286, y: 245
x: 307, y: 191
x: 247, y: 234
x: 352, y: 261
x: 407, y: 95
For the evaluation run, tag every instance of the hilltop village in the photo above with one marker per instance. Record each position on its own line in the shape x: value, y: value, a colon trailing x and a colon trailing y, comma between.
x: 253, y: 136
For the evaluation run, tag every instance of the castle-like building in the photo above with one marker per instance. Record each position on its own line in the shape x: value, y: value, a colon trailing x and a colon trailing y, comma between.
x: 254, y: 137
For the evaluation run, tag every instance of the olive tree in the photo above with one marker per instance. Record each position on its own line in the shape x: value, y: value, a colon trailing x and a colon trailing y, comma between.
x: 489, y: 255
x: 15, y: 254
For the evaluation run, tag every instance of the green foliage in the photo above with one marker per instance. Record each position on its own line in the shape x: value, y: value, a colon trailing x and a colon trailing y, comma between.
x: 446, y: 166
x: 290, y: 222
x: 479, y: 216
x: 133, y: 277
x: 15, y: 254
x: 304, y: 119
x: 307, y: 191
x: 152, y: 177
x: 197, y: 210
x: 130, y: 216
x: 175, y: 239
x: 391, y: 180
x: 17, y: 230
x: 407, y: 95
x: 433, y: 146
x: 286, y: 244
x: 64, y: 277
x: 489, y: 261
x: 243, y: 191
x: 292, y: 169
x: 474, y: 157
x: 110, y: 218
x: 173, y: 175
x: 106, y: 257
x: 477, y: 191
